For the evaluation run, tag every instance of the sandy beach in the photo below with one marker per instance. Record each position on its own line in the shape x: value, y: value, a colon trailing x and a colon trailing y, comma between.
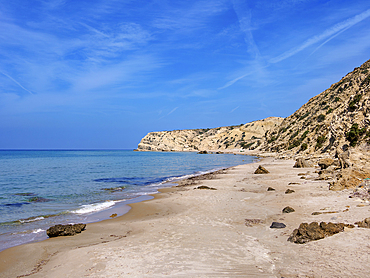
x: 223, y: 231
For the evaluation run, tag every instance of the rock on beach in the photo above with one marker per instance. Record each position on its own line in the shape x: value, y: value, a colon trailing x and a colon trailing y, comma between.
x: 261, y: 170
x: 65, y: 230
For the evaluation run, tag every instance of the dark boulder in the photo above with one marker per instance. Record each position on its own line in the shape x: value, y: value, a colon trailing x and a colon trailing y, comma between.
x: 261, y: 170
x: 277, y: 225
x: 65, y: 230
x: 289, y: 191
x: 270, y: 189
x: 202, y: 152
x: 288, y: 210
x: 205, y: 187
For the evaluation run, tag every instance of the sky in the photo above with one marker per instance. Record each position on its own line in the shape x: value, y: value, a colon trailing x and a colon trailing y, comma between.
x: 102, y: 74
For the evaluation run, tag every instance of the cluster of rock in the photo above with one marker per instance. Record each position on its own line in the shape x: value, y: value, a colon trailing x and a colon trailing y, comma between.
x: 65, y: 230
x: 347, y: 170
x: 247, y: 136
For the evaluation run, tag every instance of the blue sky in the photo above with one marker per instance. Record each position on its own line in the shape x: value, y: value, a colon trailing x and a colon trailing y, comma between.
x: 102, y: 74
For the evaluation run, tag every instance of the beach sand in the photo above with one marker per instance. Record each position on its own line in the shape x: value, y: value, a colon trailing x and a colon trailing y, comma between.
x: 190, y: 232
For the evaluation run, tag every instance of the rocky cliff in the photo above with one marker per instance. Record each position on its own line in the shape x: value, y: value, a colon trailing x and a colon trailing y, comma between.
x: 250, y: 135
x: 331, y: 129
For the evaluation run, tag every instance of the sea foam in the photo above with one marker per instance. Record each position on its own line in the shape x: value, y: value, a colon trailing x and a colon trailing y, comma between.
x: 84, y: 209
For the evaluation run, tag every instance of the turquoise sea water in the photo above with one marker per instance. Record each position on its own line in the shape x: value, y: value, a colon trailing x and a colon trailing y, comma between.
x: 39, y: 189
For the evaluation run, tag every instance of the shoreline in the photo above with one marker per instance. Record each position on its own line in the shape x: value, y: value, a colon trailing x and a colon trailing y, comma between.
x: 185, y: 231
x: 34, y: 229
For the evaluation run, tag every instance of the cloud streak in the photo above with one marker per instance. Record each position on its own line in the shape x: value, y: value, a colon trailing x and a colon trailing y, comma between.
x: 329, y: 33
x: 16, y: 82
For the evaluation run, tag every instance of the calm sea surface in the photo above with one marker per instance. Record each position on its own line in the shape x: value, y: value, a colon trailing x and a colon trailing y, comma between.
x: 39, y: 189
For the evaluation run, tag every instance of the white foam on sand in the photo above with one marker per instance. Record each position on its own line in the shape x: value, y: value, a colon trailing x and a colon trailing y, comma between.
x: 85, y: 209
x: 31, y: 219
x: 36, y: 231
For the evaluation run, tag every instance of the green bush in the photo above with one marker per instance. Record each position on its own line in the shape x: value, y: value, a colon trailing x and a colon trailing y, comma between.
x: 336, y: 99
x: 304, y: 116
x: 272, y: 139
x: 295, y: 144
x: 366, y: 81
x: 244, y: 145
x: 304, y: 135
x: 352, y: 104
x: 354, y: 134
x: 283, y: 129
x: 329, y: 111
x: 321, y: 118
x: 304, y: 147
x: 319, y: 141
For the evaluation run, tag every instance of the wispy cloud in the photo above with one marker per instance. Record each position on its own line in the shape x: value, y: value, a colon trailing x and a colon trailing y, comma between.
x: 16, y: 82
x: 234, y: 109
x: 173, y: 110
x: 228, y: 84
x: 327, y: 35
x: 169, y: 113
x: 189, y: 17
x: 244, y: 16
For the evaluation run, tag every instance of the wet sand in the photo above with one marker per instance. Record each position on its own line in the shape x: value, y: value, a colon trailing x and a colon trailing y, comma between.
x: 190, y: 232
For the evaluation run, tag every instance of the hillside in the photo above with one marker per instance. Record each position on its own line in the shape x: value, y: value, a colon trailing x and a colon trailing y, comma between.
x: 331, y: 129
x: 329, y: 122
x: 248, y: 135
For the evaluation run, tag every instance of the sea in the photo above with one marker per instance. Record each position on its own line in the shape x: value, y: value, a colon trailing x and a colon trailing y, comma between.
x: 42, y: 188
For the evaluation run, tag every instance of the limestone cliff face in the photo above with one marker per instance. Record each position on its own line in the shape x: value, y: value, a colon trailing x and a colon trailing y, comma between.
x: 329, y: 122
x: 249, y: 135
x: 333, y: 124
